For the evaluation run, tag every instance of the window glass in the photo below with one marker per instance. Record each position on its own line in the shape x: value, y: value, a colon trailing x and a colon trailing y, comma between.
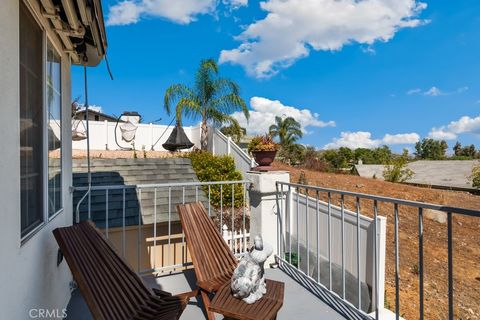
x: 31, y: 122
x: 54, y: 109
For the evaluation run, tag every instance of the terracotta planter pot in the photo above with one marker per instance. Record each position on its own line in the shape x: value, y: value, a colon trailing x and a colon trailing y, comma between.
x: 264, y: 158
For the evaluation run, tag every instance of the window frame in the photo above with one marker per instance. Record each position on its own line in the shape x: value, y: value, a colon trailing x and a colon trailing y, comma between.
x: 46, y: 38
x: 48, y: 41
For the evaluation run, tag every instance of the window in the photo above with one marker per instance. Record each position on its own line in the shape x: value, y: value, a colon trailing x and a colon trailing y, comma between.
x: 54, y: 108
x: 40, y: 126
x: 31, y: 122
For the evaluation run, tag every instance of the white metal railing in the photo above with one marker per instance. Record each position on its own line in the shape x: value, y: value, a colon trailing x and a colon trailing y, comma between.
x: 333, y: 246
x: 141, y: 220
x: 294, y: 240
x: 220, y: 144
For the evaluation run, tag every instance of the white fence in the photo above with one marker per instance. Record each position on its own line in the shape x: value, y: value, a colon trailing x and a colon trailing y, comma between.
x: 102, y: 136
x: 237, y: 240
x: 220, y: 144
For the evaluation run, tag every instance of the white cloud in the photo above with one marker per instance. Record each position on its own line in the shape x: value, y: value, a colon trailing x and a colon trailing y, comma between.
x: 441, y: 134
x: 123, y: 13
x: 451, y: 131
x: 414, y: 91
x: 353, y: 140
x: 179, y: 11
x: 402, y: 138
x: 369, y: 49
x: 93, y: 107
x: 435, y: 91
x: 264, y: 111
x: 235, y: 4
x: 294, y: 27
x: 363, y: 139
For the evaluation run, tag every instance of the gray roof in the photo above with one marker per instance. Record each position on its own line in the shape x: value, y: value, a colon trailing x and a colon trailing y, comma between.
x: 443, y: 173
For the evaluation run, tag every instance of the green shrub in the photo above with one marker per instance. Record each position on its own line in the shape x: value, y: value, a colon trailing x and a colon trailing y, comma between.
x: 209, y: 167
x: 476, y: 176
x: 293, y: 258
x: 397, y: 171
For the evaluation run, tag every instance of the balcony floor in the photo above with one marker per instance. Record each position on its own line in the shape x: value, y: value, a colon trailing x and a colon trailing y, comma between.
x: 299, y: 303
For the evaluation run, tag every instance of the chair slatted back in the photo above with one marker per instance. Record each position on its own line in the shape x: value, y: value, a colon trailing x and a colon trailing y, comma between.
x: 213, y: 260
x: 111, y: 289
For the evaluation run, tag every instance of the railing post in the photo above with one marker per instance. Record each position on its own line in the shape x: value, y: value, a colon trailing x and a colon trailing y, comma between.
x: 381, y: 256
x: 225, y: 232
x: 229, y: 145
x: 263, y: 204
x: 214, y: 133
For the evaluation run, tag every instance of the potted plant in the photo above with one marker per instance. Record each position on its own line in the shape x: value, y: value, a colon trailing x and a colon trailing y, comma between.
x: 263, y: 149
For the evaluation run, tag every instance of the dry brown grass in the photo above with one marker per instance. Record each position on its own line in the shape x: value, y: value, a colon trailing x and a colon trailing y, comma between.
x: 466, y: 244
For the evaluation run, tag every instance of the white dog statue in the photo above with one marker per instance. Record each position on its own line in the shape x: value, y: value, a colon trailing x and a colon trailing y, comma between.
x: 248, y: 282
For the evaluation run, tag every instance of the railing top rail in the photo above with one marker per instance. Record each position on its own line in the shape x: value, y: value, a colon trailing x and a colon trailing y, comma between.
x: 239, y: 150
x: 417, y: 204
x: 160, y: 185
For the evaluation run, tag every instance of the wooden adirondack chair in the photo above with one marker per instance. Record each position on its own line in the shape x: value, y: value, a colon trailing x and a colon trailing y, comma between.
x: 111, y: 289
x: 214, y: 264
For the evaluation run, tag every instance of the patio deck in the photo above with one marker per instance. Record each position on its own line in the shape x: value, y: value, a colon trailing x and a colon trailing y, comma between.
x: 299, y: 303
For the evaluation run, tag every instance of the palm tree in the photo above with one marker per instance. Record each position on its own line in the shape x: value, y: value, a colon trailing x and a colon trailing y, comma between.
x: 212, y: 99
x: 287, y: 130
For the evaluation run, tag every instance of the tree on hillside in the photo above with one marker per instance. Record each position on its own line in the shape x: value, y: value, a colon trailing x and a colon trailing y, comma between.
x: 380, y: 155
x: 457, y: 149
x: 431, y: 149
x: 338, y: 159
x: 467, y: 152
x: 234, y: 131
x: 212, y: 99
x: 294, y: 153
x: 288, y: 130
x: 396, y: 170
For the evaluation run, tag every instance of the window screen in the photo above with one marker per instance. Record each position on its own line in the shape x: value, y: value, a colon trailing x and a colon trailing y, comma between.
x: 31, y: 122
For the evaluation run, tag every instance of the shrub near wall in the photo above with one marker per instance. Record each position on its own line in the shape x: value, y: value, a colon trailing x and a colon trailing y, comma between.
x: 209, y: 167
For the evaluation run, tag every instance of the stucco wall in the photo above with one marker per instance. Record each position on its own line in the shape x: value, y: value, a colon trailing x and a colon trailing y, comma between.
x: 29, y: 276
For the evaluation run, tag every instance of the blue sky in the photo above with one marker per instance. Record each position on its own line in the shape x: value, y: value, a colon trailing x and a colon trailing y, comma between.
x: 354, y: 73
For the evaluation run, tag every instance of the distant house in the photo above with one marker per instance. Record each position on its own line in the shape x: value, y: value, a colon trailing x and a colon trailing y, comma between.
x: 445, y: 174
x: 94, y: 115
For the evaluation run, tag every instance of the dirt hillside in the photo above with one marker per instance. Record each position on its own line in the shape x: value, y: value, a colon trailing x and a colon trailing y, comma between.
x: 466, y: 244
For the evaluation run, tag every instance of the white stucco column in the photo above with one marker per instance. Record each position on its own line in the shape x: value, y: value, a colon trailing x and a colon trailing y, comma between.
x: 263, y: 216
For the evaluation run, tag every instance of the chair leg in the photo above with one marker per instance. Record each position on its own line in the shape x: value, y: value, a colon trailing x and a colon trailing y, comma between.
x: 206, y: 303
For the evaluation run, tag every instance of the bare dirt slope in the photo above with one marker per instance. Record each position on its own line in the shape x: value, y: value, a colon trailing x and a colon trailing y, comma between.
x: 466, y: 233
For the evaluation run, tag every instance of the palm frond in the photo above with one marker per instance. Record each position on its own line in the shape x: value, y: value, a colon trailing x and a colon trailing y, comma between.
x: 218, y: 119
x: 225, y: 86
x: 187, y: 107
x: 174, y: 94
x: 229, y: 103
x: 204, y: 79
